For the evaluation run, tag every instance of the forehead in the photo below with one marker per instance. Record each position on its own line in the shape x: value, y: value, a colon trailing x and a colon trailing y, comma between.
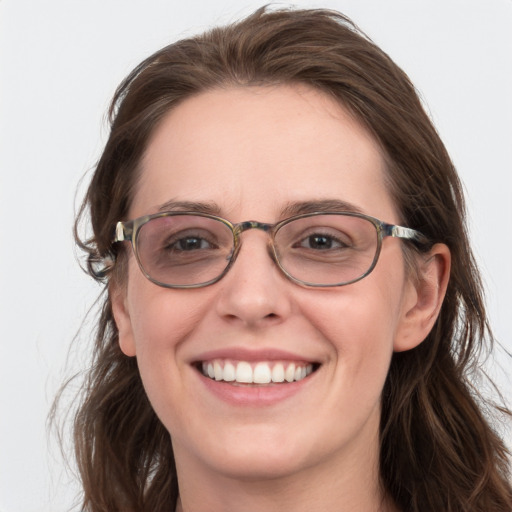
x: 251, y: 150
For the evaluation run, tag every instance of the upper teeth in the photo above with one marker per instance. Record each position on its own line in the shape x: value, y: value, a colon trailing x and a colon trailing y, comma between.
x: 256, y: 373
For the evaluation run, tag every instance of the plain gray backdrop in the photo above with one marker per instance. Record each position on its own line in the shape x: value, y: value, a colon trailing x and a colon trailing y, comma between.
x: 60, y: 62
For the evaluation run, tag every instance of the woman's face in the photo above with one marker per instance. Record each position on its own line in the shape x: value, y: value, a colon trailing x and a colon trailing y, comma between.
x: 255, y: 153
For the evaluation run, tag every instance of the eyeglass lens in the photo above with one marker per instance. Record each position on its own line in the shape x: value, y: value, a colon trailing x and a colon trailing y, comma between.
x: 183, y: 250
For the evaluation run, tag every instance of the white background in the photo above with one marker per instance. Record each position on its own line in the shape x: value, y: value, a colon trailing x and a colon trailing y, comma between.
x: 60, y: 62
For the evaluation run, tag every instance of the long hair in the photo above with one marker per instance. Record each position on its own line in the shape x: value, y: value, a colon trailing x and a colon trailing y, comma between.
x: 438, y: 451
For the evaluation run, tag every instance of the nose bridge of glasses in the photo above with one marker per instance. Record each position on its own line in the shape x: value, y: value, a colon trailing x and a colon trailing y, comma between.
x: 238, y: 229
x: 252, y: 224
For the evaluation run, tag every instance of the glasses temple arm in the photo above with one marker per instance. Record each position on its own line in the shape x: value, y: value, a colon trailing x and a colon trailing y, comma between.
x: 124, y: 231
x: 406, y: 233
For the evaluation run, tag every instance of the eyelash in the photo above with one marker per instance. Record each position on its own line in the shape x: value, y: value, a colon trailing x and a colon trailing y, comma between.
x: 171, y: 244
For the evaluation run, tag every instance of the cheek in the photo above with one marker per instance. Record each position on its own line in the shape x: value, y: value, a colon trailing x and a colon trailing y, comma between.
x: 361, y: 317
x: 360, y: 322
x: 161, y: 318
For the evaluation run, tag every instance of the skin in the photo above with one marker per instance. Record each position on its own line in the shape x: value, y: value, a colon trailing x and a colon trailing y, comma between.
x: 253, y: 151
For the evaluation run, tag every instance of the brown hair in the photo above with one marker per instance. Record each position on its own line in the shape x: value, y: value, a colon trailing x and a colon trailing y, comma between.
x: 437, y: 450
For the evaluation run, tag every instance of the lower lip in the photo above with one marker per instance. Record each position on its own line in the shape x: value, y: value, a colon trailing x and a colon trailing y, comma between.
x: 254, y: 395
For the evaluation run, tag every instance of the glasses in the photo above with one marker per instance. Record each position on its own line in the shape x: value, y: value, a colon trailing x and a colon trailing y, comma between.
x: 323, y: 249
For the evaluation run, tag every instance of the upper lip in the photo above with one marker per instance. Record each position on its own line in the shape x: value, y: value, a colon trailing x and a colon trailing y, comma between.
x: 245, y: 354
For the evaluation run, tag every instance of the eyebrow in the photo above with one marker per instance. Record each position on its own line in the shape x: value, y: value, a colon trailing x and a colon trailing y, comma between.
x: 289, y: 210
x: 321, y: 205
x: 210, y: 207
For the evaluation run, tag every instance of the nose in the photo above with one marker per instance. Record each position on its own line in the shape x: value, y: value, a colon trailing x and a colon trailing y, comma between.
x: 254, y: 292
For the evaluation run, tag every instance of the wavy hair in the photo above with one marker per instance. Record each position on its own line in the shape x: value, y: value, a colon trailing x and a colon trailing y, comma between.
x: 438, y: 451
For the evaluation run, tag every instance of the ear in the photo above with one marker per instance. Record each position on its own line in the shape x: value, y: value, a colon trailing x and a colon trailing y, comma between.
x: 122, y: 319
x: 423, y: 298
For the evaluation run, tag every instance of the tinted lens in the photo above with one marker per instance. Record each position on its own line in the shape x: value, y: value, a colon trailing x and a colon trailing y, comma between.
x: 327, y: 249
x: 183, y: 250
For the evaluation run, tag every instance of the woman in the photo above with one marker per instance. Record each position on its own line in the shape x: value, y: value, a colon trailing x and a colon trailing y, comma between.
x: 293, y: 309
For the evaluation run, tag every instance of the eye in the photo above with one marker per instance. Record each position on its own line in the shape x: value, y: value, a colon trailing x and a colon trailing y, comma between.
x: 320, y: 242
x: 189, y: 243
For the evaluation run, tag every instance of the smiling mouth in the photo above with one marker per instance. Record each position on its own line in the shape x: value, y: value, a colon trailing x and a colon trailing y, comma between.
x: 263, y: 372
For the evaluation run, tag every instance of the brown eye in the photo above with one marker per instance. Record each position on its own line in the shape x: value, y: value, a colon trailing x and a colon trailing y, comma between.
x: 320, y: 242
x: 189, y: 244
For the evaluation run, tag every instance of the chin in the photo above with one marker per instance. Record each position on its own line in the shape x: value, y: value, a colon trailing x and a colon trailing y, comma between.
x: 262, y: 454
x: 260, y: 467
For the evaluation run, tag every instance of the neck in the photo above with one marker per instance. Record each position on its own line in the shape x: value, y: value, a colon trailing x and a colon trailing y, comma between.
x: 258, y: 498
x: 352, y: 485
